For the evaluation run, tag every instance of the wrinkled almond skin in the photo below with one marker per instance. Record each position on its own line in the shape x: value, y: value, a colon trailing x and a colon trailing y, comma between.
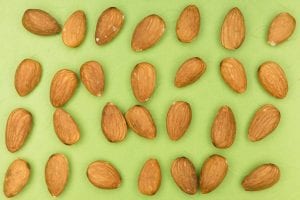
x: 103, y: 175
x: 40, y: 22
x: 233, y: 29
x: 109, y: 24
x: 150, y: 177
x: 147, y: 33
x: 188, y: 24
x: 113, y: 123
x: 92, y: 76
x: 273, y: 79
x: 212, y: 173
x: 261, y: 178
x: 18, y: 126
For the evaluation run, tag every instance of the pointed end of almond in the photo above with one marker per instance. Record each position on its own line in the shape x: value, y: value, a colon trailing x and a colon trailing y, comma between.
x: 272, y: 43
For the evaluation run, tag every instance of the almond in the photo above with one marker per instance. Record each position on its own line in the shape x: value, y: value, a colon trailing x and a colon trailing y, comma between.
x: 189, y: 72
x: 63, y: 86
x: 150, y: 177
x: 113, y: 123
x: 234, y: 74
x: 281, y: 28
x: 92, y: 76
x: 139, y: 119
x: 184, y: 175
x: 18, y: 126
x: 178, y: 119
x: 273, y: 79
x: 27, y: 77
x: 213, y: 173
x: 40, y: 22
x: 109, y: 25
x: 147, y: 32
x: 261, y: 178
x: 103, y: 175
x: 74, y: 30
x: 233, y: 29
x: 16, y: 177
x: 188, y: 24
x: 56, y: 174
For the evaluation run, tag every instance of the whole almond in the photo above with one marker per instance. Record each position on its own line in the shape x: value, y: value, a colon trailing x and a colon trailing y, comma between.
x: 40, y: 22
x: 223, y: 129
x: 261, y: 178
x: 143, y: 79
x: 74, y: 30
x: 16, y: 178
x: 147, y: 32
x: 109, y: 25
x: 139, y: 119
x: 189, y: 72
x: 113, y: 123
x: 178, y: 119
x: 56, y: 174
x: 18, y: 126
x: 281, y: 28
x: 92, y: 76
x: 233, y: 29
x: 103, y: 175
x: 212, y: 173
x: 63, y: 86
x: 150, y: 177
x: 188, y: 24
x: 27, y: 77
x: 184, y: 175
x: 273, y: 79
x: 234, y: 74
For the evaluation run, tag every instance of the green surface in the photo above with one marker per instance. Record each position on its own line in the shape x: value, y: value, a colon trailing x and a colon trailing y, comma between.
x: 205, y: 97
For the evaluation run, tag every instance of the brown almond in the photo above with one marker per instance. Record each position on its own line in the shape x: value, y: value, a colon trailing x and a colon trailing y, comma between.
x: 103, y: 175
x: 273, y: 79
x: 56, y: 173
x: 178, y: 119
x: 262, y: 177
x: 234, y: 74
x: 63, y: 86
x: 109, y: 25
x: 40, y: 22
x: 188, y: 24
x: 212, y: 173
x: 113, y: 123
x: 147, y: 32
x: 92, y: 76
x: 150, y: 177
x: 139, y: 119
x: 184, y: 175
x: 18, y: 126
x: 233, y: 29
x: 281, y: 28
x: 16, y: 178
x: 28, y: 76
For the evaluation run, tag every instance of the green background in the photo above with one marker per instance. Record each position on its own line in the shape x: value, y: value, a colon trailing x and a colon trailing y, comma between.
x: 205, y: 97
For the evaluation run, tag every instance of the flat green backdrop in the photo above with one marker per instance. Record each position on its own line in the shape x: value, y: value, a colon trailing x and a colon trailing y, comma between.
x: 205, y: 97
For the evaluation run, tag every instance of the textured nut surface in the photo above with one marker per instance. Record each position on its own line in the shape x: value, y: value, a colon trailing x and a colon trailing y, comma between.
x: 150, y: 177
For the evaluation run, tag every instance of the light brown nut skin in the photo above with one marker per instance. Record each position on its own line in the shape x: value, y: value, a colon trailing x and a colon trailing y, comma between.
x: 150, y: 177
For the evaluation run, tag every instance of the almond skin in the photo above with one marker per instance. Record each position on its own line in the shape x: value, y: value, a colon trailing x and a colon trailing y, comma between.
x: 213, y: 173
x: 150, y: 177
x: 147, y: 33
x: 109, y: 24
x: 273, y: 79
x: 16, y: 178
x: 233, y: 29
x: 113, y: 123
x: 18, y: 127
x: 261, y: 178
x: 40, y: 22
x: 188, y: 24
